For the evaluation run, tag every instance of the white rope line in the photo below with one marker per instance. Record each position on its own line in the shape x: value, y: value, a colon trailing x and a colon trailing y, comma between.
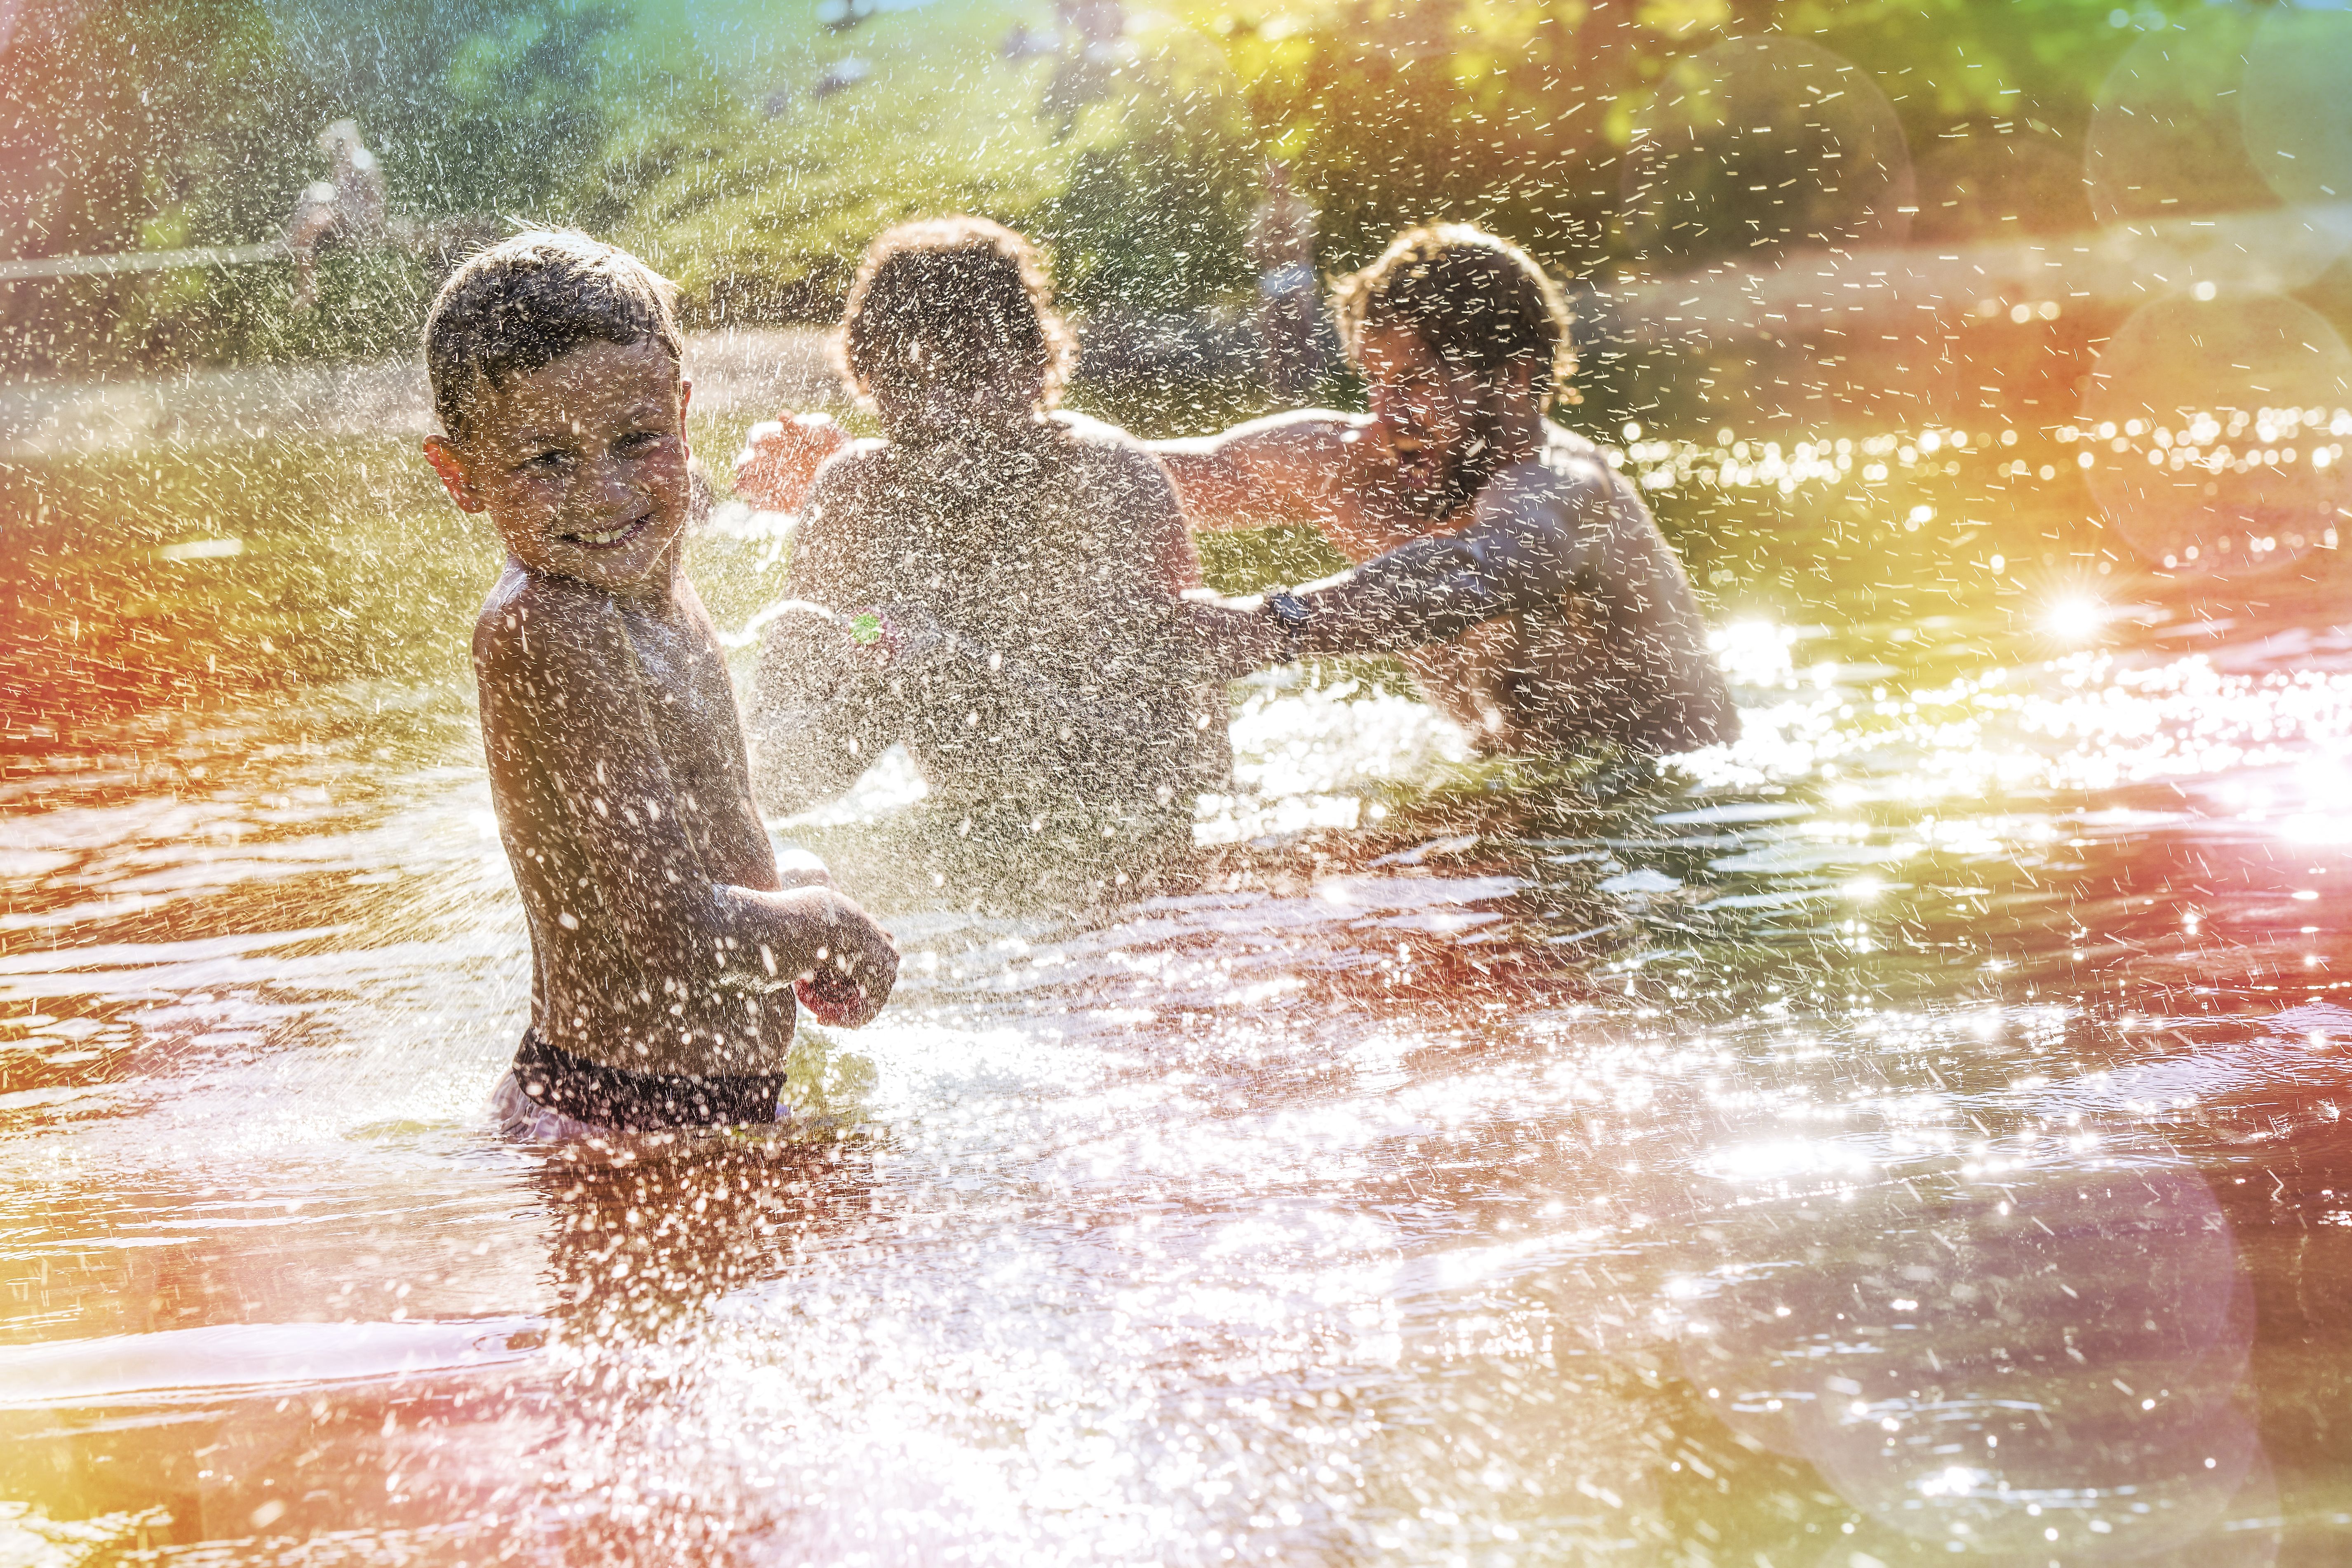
x: 31, y: 269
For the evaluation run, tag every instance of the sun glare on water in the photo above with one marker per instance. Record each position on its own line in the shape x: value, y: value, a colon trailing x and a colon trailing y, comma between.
x: 2075, y: 618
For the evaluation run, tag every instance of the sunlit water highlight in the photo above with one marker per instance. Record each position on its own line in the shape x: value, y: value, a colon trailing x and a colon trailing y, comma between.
x: 1913, y: 1131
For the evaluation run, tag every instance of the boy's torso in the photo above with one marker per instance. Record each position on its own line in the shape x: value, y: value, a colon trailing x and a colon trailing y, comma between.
x: 596, y: 991
x: 1622, y: 659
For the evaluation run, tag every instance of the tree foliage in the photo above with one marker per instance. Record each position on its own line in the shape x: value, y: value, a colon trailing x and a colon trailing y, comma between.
x: 752, y: 151
x: 170, y: 124
x: 1526, y: 115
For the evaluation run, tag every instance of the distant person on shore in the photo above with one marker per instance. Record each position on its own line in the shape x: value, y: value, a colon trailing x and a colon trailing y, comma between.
x: 665, y: 952
x: 1092, y: 33
x: 348, y: 209
x: 1282, y: 247
x: 996, y: 585
x: 1516, y: 574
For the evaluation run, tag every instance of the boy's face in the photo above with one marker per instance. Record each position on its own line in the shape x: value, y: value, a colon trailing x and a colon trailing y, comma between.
x: 1443, y: 418
x: 581, y: 465
x: 1430, y: 408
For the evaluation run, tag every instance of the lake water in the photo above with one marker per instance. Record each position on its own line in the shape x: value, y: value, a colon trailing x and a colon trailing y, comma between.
x: 1912, y: 1134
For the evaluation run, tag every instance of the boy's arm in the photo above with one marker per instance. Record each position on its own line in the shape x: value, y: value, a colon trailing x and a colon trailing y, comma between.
x: 561, y: 673
x: 1310, y: 466
x: 1520, y: 552
x: 1231, y: 637
x: 820, y: 712
x: 780, y: 459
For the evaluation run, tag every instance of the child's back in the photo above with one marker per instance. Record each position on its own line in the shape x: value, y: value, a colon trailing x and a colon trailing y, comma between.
x: 1028, y: 565
x: 664, y: 950
x: 1046, y: 547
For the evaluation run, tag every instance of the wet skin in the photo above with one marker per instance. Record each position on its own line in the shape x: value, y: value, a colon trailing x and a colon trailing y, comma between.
x: 1622, y: 658
x: 1439, y: 420
x: 662, y: 939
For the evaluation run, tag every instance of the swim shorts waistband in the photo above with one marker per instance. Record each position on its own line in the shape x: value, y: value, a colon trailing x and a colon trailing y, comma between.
x: 640, y: 1101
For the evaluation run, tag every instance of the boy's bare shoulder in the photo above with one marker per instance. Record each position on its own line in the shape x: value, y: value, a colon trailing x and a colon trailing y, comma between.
x: 538, y: 624
x: 1108, y: 448
x: 847, y: 480
x: 1581, y: 468
x: 1566, y: 490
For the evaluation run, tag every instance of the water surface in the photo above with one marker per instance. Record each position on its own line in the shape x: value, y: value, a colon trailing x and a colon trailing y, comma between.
x: 1912, y: 1133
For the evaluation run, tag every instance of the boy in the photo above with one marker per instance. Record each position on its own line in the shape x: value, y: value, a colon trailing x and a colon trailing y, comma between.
x: 1519, y: 577
x: 1022, y: 566
x: 662, y: 941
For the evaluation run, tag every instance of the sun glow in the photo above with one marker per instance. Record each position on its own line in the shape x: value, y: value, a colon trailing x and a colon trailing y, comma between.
x: 2076, y: 617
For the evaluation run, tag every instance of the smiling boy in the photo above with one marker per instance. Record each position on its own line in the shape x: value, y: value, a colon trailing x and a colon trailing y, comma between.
x: 664, y: 950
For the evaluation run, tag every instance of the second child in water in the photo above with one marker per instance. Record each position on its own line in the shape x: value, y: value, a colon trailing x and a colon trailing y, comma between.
x: 666, y: 951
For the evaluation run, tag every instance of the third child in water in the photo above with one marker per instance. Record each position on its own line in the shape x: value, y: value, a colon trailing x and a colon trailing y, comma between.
x: 1020, y: 569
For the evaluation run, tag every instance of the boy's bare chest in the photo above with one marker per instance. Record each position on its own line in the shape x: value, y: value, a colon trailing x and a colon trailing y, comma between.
x: 691, y: 707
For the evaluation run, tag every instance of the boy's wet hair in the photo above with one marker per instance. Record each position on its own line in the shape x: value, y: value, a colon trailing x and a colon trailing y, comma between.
x: 1478, y: 301
x: 955, y: 297
x: 524, y: 303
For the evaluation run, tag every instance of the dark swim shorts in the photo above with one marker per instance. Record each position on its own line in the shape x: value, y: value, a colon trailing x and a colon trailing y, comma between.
x: 590, y: 1092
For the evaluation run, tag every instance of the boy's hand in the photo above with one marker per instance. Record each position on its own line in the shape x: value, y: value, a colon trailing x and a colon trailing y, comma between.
x: 856, y: 965
x: 780, y: 458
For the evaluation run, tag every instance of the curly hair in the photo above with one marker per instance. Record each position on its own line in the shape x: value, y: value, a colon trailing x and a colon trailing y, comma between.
x: 519, y: 306
x: 957, y: 297
x: 1478, y: 301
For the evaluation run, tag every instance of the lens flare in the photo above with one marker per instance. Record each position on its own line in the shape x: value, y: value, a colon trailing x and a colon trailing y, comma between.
x: 2078, y: 617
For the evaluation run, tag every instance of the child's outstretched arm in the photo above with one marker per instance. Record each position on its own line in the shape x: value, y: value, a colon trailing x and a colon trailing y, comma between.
x: 780, y: 456
x: 1522, y: 551
x: 1335, y: 472
x: 563, y: 683
x: 819, y: 713
x: 1256, y: 475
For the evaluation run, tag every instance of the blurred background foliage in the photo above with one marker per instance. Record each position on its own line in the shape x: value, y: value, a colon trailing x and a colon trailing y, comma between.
x: 751, y: 147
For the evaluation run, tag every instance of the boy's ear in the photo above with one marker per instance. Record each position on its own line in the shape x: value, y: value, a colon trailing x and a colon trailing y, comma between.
x: 685, y: 397
x: 451, y: 466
